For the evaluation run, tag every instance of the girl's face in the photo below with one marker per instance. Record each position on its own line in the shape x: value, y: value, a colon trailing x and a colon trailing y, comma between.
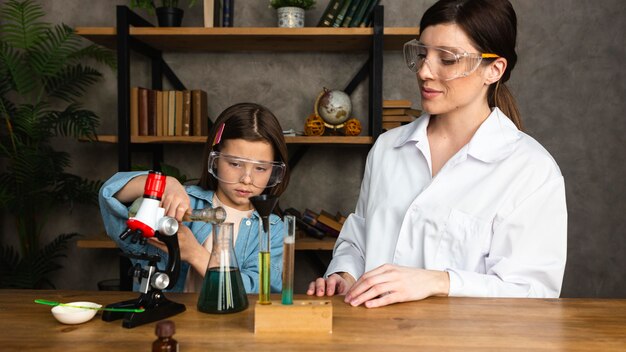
x: 463, y: 94
x: 236, y: 195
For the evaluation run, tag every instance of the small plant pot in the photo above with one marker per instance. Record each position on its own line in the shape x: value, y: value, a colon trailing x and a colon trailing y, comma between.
x: 169, y: 16
x: 290, y: 17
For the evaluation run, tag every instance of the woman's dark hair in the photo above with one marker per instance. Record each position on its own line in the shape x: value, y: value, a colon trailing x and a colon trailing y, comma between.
x: 492, y: 26
x: 251, y: 122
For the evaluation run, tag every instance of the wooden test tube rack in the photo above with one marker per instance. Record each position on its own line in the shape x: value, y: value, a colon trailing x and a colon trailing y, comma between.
x: 301, y: 316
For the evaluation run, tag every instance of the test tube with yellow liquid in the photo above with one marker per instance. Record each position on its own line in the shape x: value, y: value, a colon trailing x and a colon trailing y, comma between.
x: 264, y: 204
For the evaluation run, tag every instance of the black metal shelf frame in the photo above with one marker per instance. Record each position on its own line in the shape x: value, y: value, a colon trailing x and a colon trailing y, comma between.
x: 126, y: 43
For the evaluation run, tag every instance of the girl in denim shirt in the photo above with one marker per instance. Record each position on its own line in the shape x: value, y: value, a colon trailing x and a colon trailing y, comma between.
x: 245, y: 156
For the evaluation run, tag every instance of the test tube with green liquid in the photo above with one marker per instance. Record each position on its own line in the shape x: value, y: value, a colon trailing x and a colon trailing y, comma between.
x: 289, y: 244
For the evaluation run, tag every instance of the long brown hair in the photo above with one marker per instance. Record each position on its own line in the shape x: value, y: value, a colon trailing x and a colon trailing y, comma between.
x: 492, y: 26
x: 250, y: 122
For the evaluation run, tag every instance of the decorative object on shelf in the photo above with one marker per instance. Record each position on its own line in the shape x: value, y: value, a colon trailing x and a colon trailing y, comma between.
x: 332, y: 115
x: 314, y: 125
x: 334, y: 106
x: 352, y: 127
x: 44, y: 76
x: 168, y: 14
x: 291, y: 12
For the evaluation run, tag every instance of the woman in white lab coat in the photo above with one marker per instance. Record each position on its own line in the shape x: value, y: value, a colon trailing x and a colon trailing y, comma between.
x: 460, y: 202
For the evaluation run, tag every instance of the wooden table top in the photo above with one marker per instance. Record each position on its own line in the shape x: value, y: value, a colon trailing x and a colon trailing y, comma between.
x: 436, y: 323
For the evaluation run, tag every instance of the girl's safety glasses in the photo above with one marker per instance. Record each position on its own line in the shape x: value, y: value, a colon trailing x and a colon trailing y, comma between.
x: 233, y: 169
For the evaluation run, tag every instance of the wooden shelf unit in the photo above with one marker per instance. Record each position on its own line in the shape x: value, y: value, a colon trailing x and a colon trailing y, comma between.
x: 358, y: 140
x: 270, y: 39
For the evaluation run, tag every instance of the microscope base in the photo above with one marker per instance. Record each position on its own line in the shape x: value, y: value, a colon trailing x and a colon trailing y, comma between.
x: 156, y: 306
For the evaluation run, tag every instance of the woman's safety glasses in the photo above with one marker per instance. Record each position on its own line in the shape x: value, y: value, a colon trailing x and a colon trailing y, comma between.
x: 232, y: 169
x: 444, y: 62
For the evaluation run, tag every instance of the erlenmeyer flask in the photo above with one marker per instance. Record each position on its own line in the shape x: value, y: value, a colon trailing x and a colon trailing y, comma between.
x: 222, y: 290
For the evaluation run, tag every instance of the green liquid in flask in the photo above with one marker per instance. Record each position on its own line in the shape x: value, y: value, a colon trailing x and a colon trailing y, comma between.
x: 222, y: 292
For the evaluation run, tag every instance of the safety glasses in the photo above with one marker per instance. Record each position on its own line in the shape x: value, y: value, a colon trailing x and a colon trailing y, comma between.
x: 232, y: 169
x: 445, y: 63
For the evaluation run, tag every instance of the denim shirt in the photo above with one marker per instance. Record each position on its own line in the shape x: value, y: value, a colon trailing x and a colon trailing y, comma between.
x: 115, y: 214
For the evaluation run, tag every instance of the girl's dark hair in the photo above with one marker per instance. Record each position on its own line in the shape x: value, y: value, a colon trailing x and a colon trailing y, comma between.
x: 251, y: 122
x: 492, y: 26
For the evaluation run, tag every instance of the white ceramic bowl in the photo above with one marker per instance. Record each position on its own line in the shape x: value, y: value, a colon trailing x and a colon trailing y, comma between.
x: 71, y: 315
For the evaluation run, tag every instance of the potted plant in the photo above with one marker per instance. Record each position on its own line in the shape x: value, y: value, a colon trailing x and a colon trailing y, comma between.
x: 291, y: 12
x: 168, y: 14
x: 41, y: 79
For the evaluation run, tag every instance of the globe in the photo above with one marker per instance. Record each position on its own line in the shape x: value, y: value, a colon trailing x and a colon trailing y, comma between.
x: 334, y: 106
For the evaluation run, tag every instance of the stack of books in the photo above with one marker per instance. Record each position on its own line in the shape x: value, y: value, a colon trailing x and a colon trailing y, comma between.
x: 327, y: 223
x: 348, y: 13
x: 397, y: 113
x: 168, y: 113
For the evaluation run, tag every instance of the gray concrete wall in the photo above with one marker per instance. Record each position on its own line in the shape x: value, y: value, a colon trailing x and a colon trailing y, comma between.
x: 569, y: 83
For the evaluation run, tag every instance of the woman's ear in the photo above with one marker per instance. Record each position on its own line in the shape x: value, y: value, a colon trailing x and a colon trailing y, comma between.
x: 495, y: 70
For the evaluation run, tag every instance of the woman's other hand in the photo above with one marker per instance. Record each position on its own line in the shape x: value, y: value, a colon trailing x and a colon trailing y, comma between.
x: 338, y: 283
x: 389, y: 284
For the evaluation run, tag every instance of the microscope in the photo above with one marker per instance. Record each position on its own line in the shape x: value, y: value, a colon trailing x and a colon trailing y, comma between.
x: 150, y: 221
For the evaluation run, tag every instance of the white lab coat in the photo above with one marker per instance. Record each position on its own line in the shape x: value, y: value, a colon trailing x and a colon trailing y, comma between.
x: 494, y: 217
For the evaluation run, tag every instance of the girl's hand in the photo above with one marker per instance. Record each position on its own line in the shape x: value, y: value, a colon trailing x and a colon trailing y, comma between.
x: 389, y: 284
x: 337, y: 283
x: 175, y: 199
x: 190, y: 250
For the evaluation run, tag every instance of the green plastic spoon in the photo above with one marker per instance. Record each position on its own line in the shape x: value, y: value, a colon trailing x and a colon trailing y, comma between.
x: 53, y: 303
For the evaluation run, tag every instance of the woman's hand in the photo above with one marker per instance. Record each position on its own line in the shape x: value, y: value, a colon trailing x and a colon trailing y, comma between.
x: 191, y: 251
x: 337, y: 283
x: 389, y: 284
x: 175, y: 199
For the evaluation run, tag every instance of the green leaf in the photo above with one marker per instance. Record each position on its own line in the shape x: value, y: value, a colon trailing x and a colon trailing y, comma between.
x: 75, y: 122
x: 16, y: 71
x: 71, y: 82
x: 19, y: 24
x: 50, y: 56
x: 98, y: 53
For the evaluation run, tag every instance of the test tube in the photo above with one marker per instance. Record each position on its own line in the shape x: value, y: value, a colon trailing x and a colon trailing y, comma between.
x: 264, y: 262
x: 213, y: 215
x: 289, y: 244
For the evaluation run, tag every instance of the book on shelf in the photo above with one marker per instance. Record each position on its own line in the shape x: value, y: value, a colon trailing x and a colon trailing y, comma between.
x: 330, y: 13
x: 134, y: 111
x: 212, y: 13
x: 228, y: 11
x: 367, y: 17
x: 399, y: 103
x: 310, y: 217
x: 357, y: 18
x: 178, y: 113
x: 186, y: 113
x: 200, y: 116
x: 159, y: 113
x: 171, y: 113
x: 390, y: 125
x: 143, y: 112
x: 399, y: 118
x: 329, y: 220
x: 165, y: 99
x: 401, y: 111
x: 352, y: 10
x: 342, y: 13
x: 152, y: 112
